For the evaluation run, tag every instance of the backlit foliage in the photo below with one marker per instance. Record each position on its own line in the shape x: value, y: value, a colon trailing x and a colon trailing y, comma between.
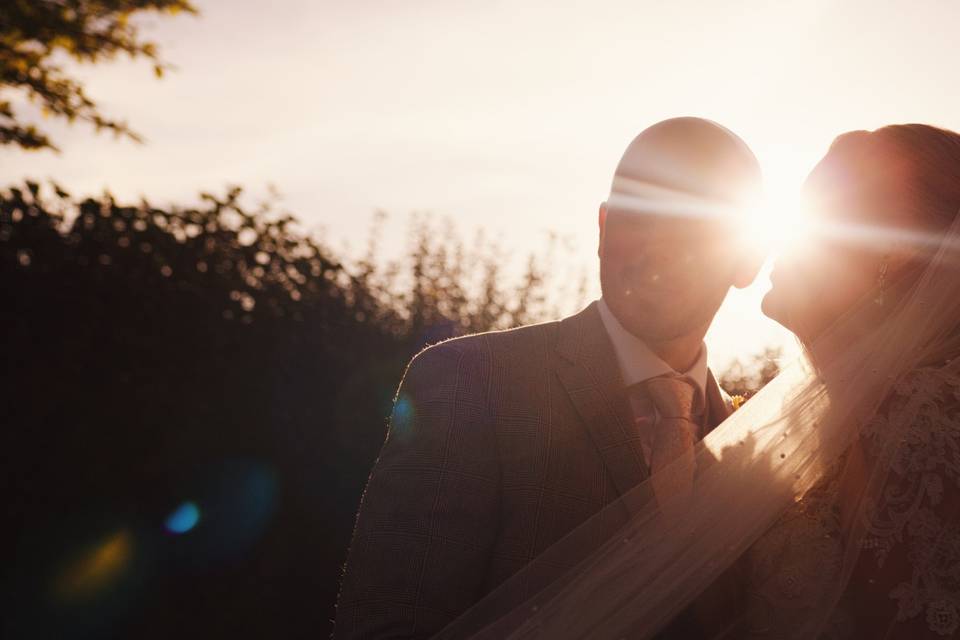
x: 144, y: 346
x: 37, y: 37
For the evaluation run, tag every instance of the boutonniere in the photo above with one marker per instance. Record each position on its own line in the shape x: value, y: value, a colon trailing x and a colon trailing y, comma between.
x: 737, y: 401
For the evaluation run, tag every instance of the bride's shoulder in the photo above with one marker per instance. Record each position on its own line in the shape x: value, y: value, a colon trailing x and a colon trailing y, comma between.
x: 940, y: 381
x: 922, y: 399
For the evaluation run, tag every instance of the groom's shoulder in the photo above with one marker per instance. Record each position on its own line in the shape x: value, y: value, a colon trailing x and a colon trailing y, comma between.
x: 476, y: 368
x: 488, y: 348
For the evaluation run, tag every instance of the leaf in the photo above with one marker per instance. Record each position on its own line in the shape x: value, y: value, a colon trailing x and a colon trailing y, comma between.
x: 36, y: 35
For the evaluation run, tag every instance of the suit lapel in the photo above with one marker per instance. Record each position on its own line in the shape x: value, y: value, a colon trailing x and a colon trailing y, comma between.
x: 719, y: 405
x: 591, y: 377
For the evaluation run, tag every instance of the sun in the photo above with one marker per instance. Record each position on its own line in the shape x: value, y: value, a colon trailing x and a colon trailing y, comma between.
x: 778, y: 221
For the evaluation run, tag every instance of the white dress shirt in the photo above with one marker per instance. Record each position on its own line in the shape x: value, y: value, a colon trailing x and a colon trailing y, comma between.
x: 638, y: 363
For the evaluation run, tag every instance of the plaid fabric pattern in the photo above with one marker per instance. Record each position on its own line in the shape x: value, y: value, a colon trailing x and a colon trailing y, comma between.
x: 499, y: 444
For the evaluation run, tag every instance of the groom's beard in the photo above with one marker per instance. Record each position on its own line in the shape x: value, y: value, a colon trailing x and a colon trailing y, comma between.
x: 671, y: 326
x: 661, y: 319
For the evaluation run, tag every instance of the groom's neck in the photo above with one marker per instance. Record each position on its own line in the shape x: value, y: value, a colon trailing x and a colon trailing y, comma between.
x: 680, y: 353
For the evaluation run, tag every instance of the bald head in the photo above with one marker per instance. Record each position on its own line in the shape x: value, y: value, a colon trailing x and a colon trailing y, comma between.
x: 666, y: 260
x: 686, y: 166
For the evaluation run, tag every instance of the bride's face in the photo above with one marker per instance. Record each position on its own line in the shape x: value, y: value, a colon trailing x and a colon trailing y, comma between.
x: 838, y: 266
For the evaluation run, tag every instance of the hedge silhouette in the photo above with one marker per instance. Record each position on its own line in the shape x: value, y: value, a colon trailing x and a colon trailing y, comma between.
x: 211, y: 358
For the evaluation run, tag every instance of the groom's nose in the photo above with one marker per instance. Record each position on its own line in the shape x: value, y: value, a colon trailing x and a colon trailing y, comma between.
x: 664, y: 251
x: 658, y: 267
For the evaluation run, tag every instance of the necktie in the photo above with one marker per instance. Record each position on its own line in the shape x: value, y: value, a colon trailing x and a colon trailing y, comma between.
x: 674, y: 434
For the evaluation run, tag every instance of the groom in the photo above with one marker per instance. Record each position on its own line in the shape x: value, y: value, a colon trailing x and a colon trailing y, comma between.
x: 501, y: 443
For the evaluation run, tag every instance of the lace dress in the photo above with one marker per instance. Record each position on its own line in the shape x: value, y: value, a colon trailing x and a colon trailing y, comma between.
x: 906, y: 582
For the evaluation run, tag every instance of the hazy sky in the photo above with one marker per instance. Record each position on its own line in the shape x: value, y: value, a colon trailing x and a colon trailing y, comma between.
x: 507, y: 115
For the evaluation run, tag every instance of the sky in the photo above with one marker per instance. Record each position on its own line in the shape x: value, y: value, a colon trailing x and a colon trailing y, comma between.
x: 506, y: 116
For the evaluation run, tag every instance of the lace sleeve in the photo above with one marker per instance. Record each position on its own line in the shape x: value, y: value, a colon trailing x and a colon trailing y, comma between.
x: 907, y: 581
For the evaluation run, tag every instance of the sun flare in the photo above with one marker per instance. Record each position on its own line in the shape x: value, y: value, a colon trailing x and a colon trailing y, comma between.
x: 778, y: 222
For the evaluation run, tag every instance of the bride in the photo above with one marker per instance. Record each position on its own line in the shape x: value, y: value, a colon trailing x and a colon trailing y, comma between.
x: 884, y: 521
x: 829, y: 504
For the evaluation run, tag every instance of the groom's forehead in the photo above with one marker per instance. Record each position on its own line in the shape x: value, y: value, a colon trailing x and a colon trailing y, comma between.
x: 645, y: 200
x: 685, y: 166
x: 659, y: 223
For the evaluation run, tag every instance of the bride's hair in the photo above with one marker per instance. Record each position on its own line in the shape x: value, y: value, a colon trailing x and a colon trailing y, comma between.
x: 902, y: 178
x: 910, y: 171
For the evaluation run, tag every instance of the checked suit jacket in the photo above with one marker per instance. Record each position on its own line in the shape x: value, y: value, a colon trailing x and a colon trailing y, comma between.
x: 499, y: 444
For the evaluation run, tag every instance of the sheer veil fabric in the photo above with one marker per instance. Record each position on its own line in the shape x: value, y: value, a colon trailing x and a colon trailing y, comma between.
x: 750, y: 469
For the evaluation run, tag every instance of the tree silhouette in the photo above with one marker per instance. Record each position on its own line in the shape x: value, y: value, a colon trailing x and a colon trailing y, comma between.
x: 155, y: 357
x: 745, y: 378
x: 33, y: 36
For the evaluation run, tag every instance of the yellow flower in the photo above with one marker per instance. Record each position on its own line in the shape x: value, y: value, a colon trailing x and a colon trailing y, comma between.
x: 737, y: 401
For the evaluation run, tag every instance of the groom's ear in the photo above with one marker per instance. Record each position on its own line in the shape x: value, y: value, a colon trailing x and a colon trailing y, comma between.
x: 748, y: 266
x: 602, y: 222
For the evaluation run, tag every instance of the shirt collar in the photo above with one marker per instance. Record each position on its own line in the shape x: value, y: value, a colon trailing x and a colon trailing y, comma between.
x: 638, y: 362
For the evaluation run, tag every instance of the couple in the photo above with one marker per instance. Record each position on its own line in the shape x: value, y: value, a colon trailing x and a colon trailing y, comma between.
x: 588, y: 478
